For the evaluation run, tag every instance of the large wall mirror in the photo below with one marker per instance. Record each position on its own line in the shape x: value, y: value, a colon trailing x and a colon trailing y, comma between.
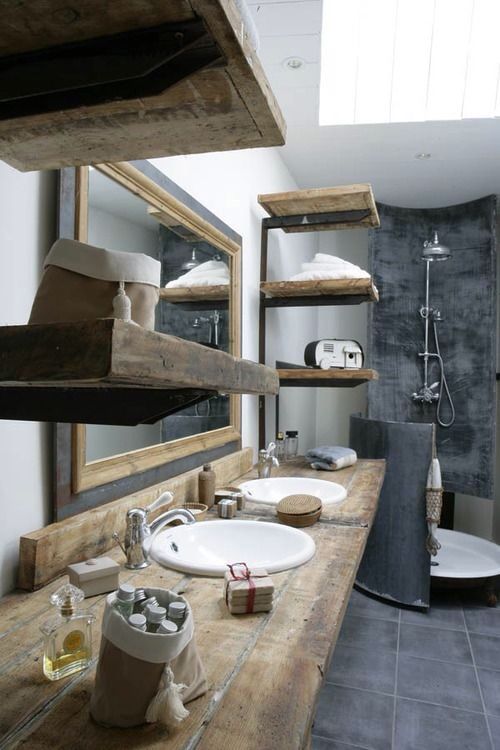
x: 133, y: 207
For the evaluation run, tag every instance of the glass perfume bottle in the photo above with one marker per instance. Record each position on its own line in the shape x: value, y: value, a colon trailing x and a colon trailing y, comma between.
x: 68, y: 635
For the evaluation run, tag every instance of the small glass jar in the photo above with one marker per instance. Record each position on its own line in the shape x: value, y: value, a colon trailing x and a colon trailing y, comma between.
x: 279, y: 451
x: 124, y: 601
x: 291, y: 444
x: 167, y: 627
x: 140, y: 598
x: 177, y: 613
x: 154, y: 616
x: 151, y: 602
x: 137, y: 621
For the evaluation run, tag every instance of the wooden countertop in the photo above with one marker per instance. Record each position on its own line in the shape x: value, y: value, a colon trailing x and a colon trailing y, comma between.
x: 264, y: 671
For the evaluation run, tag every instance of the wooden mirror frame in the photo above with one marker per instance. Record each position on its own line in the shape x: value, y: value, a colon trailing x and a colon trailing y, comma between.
x: 79, y: 485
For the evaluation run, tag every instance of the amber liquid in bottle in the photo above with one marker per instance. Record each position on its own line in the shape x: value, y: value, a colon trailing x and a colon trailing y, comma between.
x: 68, y: 636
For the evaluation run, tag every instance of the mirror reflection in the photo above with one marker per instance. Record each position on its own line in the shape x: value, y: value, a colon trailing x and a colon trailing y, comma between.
x: 194, y: 303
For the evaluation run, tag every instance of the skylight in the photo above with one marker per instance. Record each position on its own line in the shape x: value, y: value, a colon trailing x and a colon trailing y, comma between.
x: 409, y: 60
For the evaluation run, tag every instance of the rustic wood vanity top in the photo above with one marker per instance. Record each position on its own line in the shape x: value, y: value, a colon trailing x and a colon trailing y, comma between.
x: 264, y: 671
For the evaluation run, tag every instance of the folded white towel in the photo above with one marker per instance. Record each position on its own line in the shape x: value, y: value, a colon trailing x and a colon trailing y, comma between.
x: 325, y: 266
x: 325, y: 275
x: 211, y: 273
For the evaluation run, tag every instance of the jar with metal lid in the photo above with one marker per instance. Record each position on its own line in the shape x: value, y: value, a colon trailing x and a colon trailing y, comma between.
x: 137, y: 621
x: 154, y: 616
x: 139, y: 598
x: 166, y: 627
x: 124, y: 601
x: 177, y: 613
x: 151, y: 602
x: 291, y: 444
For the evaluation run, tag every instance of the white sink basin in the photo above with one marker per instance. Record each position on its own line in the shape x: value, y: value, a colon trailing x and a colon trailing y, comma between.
x: 205, y: 548
x: 272, y: 490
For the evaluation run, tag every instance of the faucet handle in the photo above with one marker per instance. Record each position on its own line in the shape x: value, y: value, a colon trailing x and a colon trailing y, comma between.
x: 163, y: 499
x: 271, y: 448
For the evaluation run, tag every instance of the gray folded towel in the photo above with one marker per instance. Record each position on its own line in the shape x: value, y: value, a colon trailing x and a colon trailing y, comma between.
x: 331, y: 457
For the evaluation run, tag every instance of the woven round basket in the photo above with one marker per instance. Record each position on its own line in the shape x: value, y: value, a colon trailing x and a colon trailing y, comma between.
x: 299, y: 510
x: 199, y: 510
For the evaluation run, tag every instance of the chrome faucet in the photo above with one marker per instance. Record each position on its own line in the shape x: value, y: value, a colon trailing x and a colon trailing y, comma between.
x: 267, y: 460
x: 139, y: 534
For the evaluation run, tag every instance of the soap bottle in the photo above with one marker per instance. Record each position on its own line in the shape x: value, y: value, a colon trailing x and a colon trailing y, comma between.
x: 68, y: 635
x: 279, y: 451
x: 206, y: 486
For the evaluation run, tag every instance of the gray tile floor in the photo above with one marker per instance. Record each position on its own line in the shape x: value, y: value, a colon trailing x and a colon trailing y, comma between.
x: 402, y: 680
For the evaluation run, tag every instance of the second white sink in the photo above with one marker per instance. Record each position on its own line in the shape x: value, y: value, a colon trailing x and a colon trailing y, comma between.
x: 274, y: 489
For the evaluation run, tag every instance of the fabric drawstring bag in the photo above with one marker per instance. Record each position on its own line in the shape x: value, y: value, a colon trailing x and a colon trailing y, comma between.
x: 146, y: 677
x: 83, y: 282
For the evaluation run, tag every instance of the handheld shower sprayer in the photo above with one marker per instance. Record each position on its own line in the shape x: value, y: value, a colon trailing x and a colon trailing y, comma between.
x: 428, y: 394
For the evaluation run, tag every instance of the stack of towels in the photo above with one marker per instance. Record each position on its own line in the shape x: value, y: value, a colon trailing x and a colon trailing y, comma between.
x: 324, y: 266
x: 211, y: 273
x: 331, y: 457
x: 248, y: 590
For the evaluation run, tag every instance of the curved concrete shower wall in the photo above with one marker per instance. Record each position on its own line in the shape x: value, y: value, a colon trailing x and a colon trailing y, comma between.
x: 464, y: 289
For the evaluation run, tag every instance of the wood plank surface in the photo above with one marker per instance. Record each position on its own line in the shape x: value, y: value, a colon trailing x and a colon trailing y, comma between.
x: 195, y: 293
x: 264, y: 671
x: 323, y: 200
x: 332, y: 377
x: 215, y: 109
x: 323, y: 287
x: 45, y: 554
x: 109, y: 351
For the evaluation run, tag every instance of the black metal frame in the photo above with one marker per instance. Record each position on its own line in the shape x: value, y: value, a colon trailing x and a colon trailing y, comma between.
x: 117, y: 67
x: 312, y: 223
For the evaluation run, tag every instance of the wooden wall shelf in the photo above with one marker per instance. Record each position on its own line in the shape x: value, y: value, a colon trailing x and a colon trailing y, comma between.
x: 333, y: 378
x: 320, y: 292
x: 321, y: 209
x: 70, y: 363
x: 191, y: 82
x: 198, y: 297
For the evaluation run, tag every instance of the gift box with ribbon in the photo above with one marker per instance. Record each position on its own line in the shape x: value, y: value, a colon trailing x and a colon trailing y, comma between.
x: 248, y: 590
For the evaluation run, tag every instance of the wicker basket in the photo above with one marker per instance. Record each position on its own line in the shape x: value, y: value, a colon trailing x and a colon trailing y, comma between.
x: 299, y: 510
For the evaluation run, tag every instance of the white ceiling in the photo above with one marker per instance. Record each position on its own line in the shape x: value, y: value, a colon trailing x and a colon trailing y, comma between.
x: 465, y: 161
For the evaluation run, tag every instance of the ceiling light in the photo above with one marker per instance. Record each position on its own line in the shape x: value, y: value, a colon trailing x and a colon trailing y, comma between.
x: 293, y: 63
x: 423, y: 155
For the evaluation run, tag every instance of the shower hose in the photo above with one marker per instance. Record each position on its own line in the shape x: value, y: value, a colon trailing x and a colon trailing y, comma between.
x: 443, y: 385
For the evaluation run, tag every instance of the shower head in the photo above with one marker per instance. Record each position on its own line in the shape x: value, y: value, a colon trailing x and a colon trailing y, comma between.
x: 434, y: 250
x: 188, y: 265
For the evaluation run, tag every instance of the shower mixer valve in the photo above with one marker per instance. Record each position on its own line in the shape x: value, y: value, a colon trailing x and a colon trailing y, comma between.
x: 426, y: 394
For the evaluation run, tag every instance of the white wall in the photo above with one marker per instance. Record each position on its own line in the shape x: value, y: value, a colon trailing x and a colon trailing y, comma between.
x: 27, y: 229
x: 228, y: 184
x: 334, y: 406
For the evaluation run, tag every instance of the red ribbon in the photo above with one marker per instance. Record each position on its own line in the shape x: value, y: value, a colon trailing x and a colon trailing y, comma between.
x: 245, y: 575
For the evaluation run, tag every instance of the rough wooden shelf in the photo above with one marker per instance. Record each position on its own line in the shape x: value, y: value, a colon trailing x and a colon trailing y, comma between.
x: 92, y: 361
x: 164, y: 78
x: 218, y: 293
x: 322, y: 209
x: 319, y: 292
x: 333, y: 378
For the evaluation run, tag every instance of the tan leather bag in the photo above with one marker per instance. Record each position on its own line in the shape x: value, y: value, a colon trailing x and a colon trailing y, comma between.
x: 145, y: 677
x: 80, y: 281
